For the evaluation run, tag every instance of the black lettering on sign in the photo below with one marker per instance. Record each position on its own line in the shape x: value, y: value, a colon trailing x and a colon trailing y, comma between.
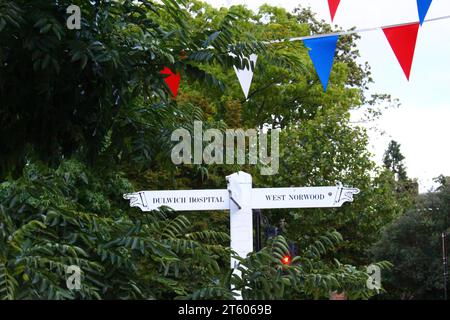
x: 274, y: 197
x: 169, y: 200
x: 205, y: 199
x: 300, y: 197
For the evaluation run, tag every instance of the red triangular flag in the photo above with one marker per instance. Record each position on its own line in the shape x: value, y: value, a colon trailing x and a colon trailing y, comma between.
x: 333, y: 4
x: 172, y: 81
x: 403, y: 42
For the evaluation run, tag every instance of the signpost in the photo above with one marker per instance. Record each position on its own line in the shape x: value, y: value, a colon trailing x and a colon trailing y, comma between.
x: 241, y: 199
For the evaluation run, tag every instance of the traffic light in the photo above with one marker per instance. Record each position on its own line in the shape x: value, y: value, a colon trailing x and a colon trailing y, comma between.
x: 286, y: 260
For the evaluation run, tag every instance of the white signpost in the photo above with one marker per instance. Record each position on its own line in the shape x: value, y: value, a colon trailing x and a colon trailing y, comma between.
x: 241, y: 199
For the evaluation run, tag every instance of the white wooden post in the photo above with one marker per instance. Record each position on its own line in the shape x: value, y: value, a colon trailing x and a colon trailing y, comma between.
x: 239, y: 186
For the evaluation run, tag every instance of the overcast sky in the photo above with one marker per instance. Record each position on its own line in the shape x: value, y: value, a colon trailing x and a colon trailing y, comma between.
x: 422, y: 124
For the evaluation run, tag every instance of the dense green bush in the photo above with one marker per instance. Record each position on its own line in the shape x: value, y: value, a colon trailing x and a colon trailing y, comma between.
x: 51, y: 219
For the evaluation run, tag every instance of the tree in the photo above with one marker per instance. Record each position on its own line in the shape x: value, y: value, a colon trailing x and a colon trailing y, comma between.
x: 96, y: 92
x: 407, y: 189
x: 413, y: 244
x: 82, y: 81
x: 393, y: 161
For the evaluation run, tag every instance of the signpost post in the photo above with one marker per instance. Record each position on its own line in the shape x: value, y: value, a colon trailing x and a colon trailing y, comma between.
x: 241, y: 199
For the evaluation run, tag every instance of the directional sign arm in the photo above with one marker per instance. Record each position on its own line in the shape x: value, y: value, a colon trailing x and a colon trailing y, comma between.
x: 180, y: 200
x: 307, y: 197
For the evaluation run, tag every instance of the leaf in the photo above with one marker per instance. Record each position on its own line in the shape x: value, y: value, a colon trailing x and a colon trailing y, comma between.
x: 46, y: 28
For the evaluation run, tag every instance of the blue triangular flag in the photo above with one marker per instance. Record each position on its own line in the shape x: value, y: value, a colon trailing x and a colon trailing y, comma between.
x: 322, y: 55
x: 423, y: 6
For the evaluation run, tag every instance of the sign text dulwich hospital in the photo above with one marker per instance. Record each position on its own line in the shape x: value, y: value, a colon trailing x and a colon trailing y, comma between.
x: 174, y: 200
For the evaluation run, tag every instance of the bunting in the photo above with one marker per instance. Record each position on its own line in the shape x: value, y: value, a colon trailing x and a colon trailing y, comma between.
x: 333, y: 5
x: 321, y: 48
x: 403, y: 42
x: 172, y: 80
x: 321, y: 51
x: 245, y: 76
x: 423, y: 6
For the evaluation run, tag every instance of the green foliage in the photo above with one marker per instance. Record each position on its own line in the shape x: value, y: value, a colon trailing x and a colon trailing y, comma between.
x: 96, y: 96
x: 51, y: 219
x: 318, y: 143
x: 263, y: 276
x: 407, y: 189
x: 324, y: 150
x: 46, y: 226
x: 393, y: 160
x: 413, y: 244
x: 99, y: 87
x: 82, y: 81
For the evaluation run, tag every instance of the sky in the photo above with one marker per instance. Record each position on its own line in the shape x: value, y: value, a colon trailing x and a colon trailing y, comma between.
x: 422, y: 123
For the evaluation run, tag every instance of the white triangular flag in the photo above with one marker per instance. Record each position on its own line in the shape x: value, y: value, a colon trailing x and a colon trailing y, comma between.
x: 245, y: 76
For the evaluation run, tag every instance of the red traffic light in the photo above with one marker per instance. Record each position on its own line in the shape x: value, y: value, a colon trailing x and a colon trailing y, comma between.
x: 286, y: 260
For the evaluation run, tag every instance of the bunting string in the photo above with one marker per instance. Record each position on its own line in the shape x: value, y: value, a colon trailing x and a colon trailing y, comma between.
x: 344, y: 33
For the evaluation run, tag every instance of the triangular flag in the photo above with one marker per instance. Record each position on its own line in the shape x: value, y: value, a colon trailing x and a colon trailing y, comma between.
x: 322, y: 55
x: 172, y: 80
x: 403, y: 42
x: 423, y: 6
x: 245, y: 76
x: 333, y: 4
